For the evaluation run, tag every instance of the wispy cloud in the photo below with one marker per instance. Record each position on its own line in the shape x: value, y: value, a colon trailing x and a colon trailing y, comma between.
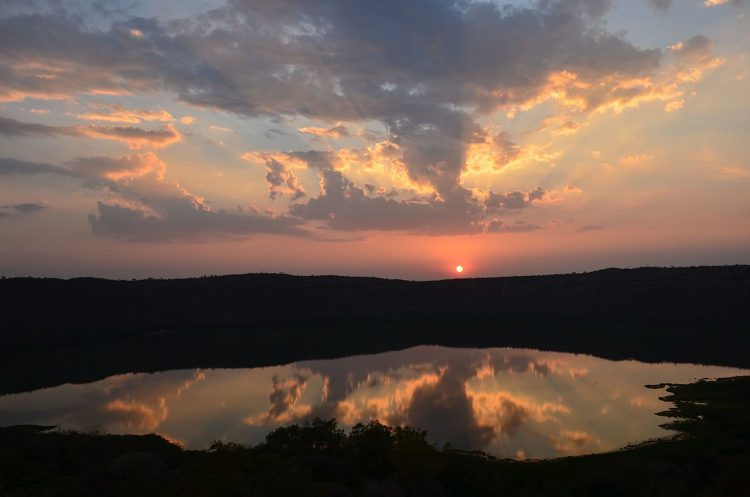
x: 133, y: 137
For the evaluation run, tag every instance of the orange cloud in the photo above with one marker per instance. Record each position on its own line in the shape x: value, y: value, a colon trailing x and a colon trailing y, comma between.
x: 119, y: 114
x: 284, y: 406
x: 126, y: 167
x: 137, y: 415
x: 496, y: 154
x: 577, y: 95
x: 633, y: 160
x: 334, y: 132
x: 46, y: 79
x: 573, y: 442
x: 134, y: 138
x: 380, y: 163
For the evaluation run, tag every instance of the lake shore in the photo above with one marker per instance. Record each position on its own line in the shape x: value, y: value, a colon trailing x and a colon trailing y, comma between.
x: 709, y: 455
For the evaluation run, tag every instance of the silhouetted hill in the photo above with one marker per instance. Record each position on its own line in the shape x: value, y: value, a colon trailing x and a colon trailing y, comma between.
x: 55, y: 331
x: 86, y: 308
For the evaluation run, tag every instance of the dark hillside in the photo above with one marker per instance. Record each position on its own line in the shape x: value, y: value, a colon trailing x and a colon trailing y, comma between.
x: 85, y: 308
x: 55, y: 331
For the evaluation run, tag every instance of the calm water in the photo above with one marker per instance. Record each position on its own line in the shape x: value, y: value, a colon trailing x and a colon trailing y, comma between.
x: 508, y: 402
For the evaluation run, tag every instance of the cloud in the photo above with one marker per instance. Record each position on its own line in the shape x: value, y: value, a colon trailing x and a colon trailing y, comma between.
x: 181, y: 219
x: 282, y: 180
x: 459, y: 398
x: 13, y: 167
x: 273, y: 133
x: 500, y: 226
x: 12, y: 127
x: 345, y: 206
x: 508, y: 149
x: 135, y: 414
x: 119, y: 114
x: 118, y: 168
x: 149, y: 208
x: 590, y: 227
x: 334, y: 132
x: 342, y: 205
x: 714, y: 3
x: 133, y: 137
x: 661, y: 6
x: 519, y: 363
x: 446, y: 412
x: 143, y: 206
x: 514, y: 200
x: 428, y: 84
x: 573, y: 441
x: 693, y: 58
x: 221, y: 129
x: 26, y: 208
x: 512, y: 418
x: 637, y: 159
x: 284, y: 406
x: 336, y: 60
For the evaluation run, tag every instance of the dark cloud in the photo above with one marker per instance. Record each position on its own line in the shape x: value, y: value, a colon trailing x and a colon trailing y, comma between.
x: 660, y: 6
x: 105, y: 167
x: 513, y: 416
x: 514, y: 200
x: 507, y: 149
x: 345, y: 206
x: 500, y: 226
x: 694, y: 50
x: 443, y: 407
x: 132, y: 136
x: 446, y: 412
x: 182, y: 219
x: 12, y: 127
x: 12, y: 167
x: 591, y: 227
x: 284, y: 395
x: 281, y: 179
x: 425, y: 70
x: 519, y: 363
x: 26, y: 208
x: 149, y: 208
x: 273, y: 133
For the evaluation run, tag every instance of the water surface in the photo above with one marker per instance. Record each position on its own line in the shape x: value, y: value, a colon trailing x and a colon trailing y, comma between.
x: 508, y: 402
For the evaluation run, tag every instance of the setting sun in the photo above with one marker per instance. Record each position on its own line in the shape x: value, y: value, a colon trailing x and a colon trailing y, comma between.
x: 459, y: 269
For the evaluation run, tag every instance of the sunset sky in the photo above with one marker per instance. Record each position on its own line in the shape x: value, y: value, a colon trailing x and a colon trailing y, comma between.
x: 394, y: 138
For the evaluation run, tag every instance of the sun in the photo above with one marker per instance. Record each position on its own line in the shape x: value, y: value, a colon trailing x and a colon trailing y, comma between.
x: 459, y: 269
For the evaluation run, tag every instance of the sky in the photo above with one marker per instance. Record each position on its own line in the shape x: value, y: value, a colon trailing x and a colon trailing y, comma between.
x: 379, y: 138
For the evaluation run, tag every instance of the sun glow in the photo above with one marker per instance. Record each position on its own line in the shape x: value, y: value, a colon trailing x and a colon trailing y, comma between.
x: 459, y: 269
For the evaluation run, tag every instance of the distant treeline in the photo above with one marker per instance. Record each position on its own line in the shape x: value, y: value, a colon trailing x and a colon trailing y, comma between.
x: 84, y: 308
x: 85, y: 328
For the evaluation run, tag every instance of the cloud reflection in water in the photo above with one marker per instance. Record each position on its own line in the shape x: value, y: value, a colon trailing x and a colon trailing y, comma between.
x: 509, y: 402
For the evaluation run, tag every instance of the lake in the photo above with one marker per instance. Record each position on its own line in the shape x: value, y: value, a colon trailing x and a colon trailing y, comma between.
x: 508, y: 402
